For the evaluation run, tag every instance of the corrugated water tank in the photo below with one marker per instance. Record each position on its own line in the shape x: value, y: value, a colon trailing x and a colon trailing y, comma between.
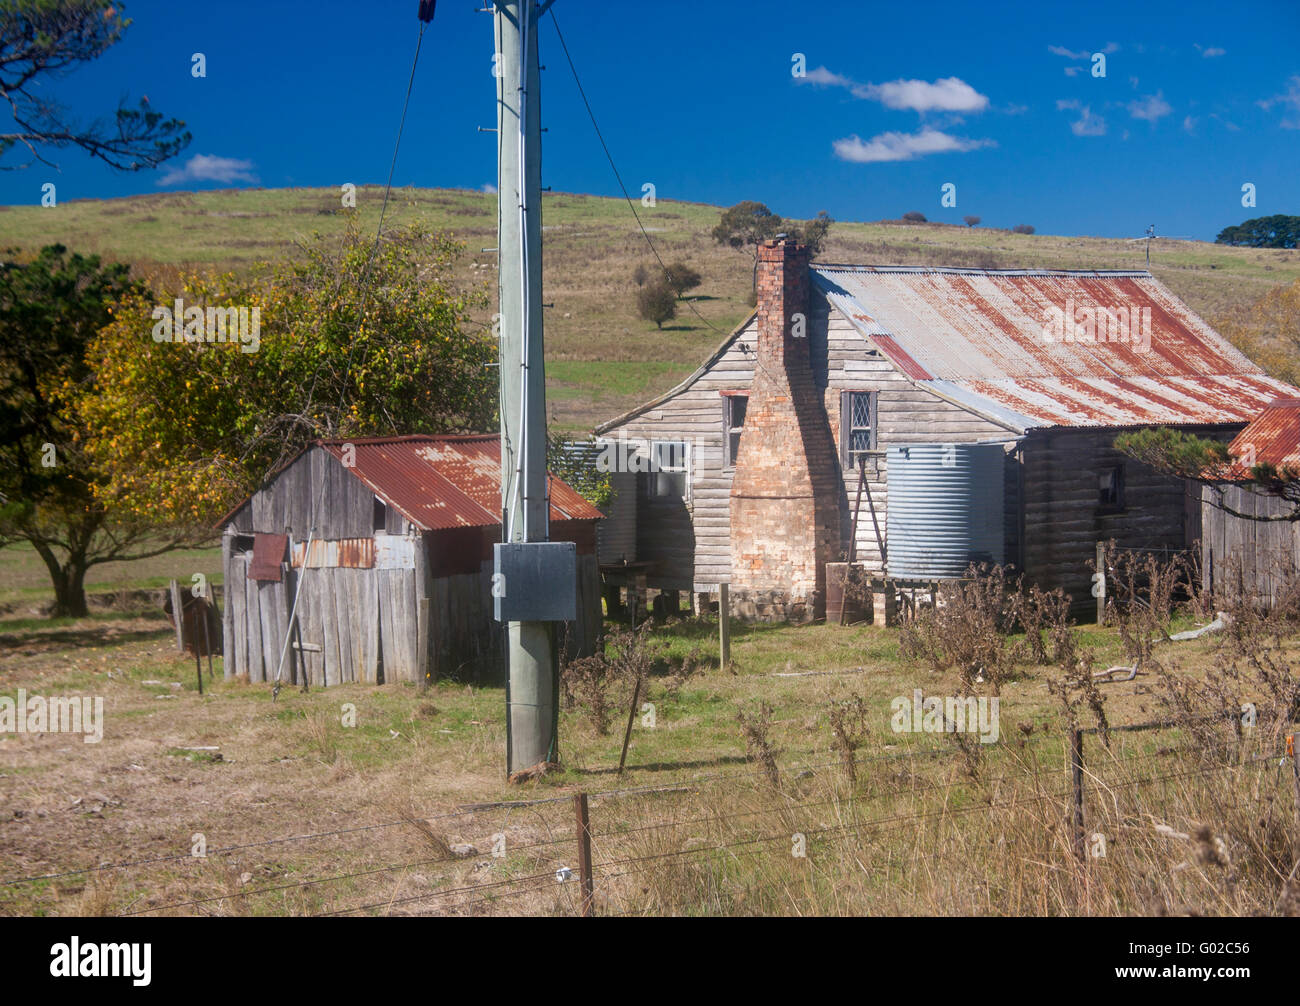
x: 945, y: 509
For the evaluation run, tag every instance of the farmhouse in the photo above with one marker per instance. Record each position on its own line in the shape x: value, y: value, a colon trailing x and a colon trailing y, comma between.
x: 397, y: 583
x: 914, y: 420
x: 1248, y: 544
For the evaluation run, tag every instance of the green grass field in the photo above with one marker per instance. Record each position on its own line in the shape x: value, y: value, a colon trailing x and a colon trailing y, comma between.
x: 602, y: 358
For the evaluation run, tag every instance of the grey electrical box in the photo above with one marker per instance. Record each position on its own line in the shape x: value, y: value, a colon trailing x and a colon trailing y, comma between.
x: 535, y: 581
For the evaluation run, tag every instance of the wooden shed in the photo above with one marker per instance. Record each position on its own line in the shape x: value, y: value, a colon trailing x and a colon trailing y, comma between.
x: 387, y: 545
x: 749, y: 470
x: 1250, y: 539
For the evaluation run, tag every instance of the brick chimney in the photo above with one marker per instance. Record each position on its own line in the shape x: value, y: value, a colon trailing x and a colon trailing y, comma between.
x: 785, y: 523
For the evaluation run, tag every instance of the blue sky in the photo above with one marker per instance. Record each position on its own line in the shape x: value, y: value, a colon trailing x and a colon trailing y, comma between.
x: 700, y: 99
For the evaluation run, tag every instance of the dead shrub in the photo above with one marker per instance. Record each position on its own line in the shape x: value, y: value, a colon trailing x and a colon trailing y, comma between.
x: 755, y: 728
x: 966, y: 628
x: 604, y: 681
x: 848, y: 719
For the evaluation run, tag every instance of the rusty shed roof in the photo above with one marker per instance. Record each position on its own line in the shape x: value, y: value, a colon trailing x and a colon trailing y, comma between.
x: 992, y: 341
x: 448, y: 481
x: 1272, y: 437
x: 440, y: 482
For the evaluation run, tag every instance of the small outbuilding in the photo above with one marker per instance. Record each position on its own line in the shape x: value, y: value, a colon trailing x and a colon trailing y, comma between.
x: 1250, y: 541
x: 387, y: 545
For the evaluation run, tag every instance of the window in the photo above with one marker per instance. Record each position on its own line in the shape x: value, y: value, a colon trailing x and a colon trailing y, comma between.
x: 857, y: 426
x: 668, y: 469
x: 1110, y: 488
x: 733, y: 406
x: 379, y: 515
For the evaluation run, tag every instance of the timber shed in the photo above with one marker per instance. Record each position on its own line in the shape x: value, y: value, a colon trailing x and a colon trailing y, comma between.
x: 1250, y: 541
x: 397, y: 585
x: 915, y: 419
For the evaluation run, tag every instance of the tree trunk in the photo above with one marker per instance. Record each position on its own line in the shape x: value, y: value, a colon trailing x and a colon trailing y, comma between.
x: 70, y: 601
x: 69, y: 583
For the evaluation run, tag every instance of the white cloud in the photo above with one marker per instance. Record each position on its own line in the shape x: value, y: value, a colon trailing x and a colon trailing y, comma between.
x: 210, y: 168
x: 825, y: 78
x: 1073, y: 71
x: 489, y: 188
x: 949, y: 94
x: 903, y: 146
x: 1211, y: 52
x: 1189, y: 122
x: 1060, y: 50
x: 1290, y: 101
x: 1150, y: 107
x: 1087, y: 124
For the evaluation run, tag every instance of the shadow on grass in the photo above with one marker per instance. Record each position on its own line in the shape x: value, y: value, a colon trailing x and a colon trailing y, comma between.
x: 74, y: 633
x: 667, y: 766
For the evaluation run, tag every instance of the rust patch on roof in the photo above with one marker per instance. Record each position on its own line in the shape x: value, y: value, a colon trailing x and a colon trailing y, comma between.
x: 901, y: 360
x: 1054, y: 347
x: 1272, y: 437
x: 446, y: 482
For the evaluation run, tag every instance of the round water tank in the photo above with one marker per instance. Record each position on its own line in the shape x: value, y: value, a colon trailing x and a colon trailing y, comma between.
x: 945, y: 509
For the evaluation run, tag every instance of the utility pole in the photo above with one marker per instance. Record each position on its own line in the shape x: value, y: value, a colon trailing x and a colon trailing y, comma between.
x: 531, y: 668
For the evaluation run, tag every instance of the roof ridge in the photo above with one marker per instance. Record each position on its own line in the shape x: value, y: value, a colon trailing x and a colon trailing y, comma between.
x: 973, y: 270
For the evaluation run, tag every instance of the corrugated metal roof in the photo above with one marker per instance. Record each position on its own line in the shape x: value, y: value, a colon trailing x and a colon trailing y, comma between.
x: 994, y: 341
x: 1272, y: 437
x: 446, y: 482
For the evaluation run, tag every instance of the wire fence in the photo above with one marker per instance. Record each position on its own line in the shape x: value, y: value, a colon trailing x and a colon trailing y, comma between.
x: 725, y: 819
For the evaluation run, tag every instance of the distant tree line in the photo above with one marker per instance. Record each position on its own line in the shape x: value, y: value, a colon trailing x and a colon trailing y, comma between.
x: 1277, y: 231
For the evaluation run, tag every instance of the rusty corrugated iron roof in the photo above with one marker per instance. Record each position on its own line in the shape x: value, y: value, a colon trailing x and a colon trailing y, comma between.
x: 996, y: 341
x: 1272, y: 437
x: 446, y: 482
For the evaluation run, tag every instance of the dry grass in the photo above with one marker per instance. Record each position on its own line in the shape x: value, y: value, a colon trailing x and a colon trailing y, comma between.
x: 712, y: 811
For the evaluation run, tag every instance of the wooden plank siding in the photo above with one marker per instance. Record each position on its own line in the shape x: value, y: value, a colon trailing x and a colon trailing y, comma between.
x: 1063, y: 520
x: 1254, y: 558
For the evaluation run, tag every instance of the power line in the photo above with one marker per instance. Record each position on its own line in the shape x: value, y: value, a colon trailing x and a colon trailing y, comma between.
x: 618, y: 177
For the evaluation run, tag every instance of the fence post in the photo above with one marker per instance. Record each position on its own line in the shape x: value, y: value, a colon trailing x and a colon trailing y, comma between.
x: 424, y: 647
x: 584, y: 853
x: 1101, y: 583
x: 631, y: 716
x: 724, y: 624
x: 1076, y: 772
x: 175, y: 589
x: 1295, y: 780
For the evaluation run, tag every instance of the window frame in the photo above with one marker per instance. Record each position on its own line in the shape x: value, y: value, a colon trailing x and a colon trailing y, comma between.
x: 847, y: 456
x: 1119, y: 481
x: 728, y: 429
x: 657, y: 469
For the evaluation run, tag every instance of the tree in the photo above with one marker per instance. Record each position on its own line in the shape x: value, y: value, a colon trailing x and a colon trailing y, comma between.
x: 914, y: 217
x: 1277, y: 231
x: 1187, y: 456
x: 572, y: 462
x: 51, y: 490
x: 751, y: 223
x: 748, y: 224
x: 640, y: 274
x: 682, y: 278
x: 348, y: 347
x: 971, y: 221
x: 813, y: 233
x: 42, y: 39
x: 656, y: 302
x: 1022, y: 229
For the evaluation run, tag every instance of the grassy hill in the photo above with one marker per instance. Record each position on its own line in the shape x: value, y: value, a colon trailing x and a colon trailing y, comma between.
x: 602, y: 358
